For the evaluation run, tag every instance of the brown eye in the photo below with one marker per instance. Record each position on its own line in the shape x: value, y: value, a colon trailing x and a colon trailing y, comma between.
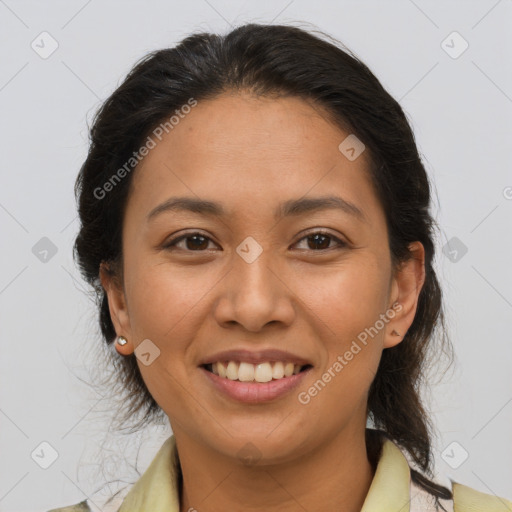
x: 196, y: 242
x: 193, y: 242
x: 320, y: 241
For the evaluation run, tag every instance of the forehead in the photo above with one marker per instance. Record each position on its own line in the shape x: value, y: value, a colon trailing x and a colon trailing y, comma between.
x: 251, y: 152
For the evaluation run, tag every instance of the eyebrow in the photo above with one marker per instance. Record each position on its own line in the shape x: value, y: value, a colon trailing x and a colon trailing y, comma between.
x: 292, y: 207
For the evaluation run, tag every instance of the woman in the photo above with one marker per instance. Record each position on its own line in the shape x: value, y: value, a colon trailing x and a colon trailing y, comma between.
x: 255, y: 220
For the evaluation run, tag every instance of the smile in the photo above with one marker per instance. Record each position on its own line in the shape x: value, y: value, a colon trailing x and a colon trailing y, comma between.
x: 261, y: 372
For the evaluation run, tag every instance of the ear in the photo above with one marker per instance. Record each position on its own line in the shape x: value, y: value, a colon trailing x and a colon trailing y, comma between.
x: 406, y: 286
x: 116, y: 301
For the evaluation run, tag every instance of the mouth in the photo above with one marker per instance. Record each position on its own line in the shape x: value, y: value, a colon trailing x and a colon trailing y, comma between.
x: 259, y: 383
x: 263, y: 372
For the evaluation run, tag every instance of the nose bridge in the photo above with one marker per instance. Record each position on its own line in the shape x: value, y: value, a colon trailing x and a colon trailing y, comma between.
x: 253, y: 294
x: 251, y: 265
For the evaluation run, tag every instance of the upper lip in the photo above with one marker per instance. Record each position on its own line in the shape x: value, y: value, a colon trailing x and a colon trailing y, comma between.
x: 255, y: 356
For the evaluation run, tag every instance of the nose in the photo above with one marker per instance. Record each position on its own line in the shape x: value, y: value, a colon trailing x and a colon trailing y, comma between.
x: 253, y: 295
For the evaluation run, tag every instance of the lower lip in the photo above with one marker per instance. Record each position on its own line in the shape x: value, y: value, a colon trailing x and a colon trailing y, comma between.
x: 255, y: 392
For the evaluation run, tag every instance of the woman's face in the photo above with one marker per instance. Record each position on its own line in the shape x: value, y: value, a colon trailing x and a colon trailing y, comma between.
x: 255, y: 278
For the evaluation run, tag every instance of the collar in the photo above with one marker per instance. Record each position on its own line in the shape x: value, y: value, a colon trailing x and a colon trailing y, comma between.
x: 157, y: 489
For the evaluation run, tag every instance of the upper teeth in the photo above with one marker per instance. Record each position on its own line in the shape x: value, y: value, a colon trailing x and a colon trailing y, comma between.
x: 261, y: 372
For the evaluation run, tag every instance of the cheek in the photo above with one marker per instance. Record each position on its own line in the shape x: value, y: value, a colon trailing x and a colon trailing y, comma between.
x: 164, y: 308
x: 347, y: 305
x: 163, y: 300
x: 346, y: 299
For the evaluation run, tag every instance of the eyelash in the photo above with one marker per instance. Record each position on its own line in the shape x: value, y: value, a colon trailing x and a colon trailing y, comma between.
x: 340, y: 244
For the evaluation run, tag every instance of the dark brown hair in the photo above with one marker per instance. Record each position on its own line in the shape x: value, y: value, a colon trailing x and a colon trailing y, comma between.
x: 274, y: 60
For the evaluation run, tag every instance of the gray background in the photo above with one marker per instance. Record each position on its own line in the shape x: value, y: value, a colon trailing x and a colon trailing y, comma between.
x: 460, y: 109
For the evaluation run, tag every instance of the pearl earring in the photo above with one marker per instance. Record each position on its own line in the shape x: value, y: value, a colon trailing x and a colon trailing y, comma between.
x: 121, y: 340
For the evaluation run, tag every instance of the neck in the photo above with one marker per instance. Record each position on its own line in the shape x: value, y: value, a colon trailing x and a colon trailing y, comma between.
x: 335, y: 473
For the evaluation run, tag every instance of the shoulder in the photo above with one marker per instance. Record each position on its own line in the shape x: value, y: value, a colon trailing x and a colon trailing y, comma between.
x: 469, y: 499
x: 465, y: 499
x: 112, y: 505
x: 78, y: 507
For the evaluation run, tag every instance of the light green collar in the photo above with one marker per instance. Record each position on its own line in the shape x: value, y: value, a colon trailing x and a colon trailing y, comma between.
x: 391, y: 490
x: 390, y: 487
x: 157, y: 489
